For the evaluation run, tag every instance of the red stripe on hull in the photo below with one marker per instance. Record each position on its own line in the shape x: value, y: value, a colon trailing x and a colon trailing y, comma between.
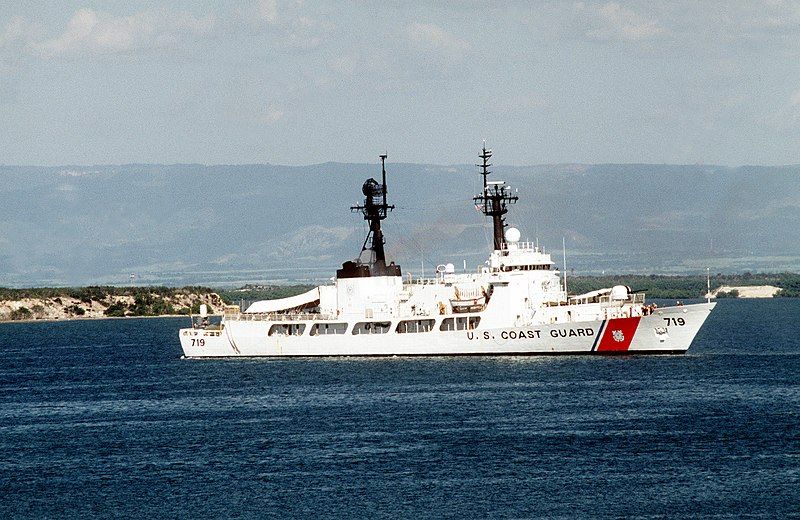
x: 618, y: 335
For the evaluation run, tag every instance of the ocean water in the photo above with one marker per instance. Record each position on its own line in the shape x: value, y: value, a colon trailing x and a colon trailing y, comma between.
x: 103, y: 419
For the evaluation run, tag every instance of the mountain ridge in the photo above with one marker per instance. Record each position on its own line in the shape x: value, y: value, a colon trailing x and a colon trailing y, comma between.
x: 191, y: 223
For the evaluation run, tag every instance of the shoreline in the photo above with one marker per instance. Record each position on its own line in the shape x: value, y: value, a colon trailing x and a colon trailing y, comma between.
x: 188, y: 317
x: 93, y: 318
x: 86, y: 303
x: 50, y: 304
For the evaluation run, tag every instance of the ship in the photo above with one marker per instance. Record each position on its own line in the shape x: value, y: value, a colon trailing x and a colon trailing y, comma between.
x: 515, y: 303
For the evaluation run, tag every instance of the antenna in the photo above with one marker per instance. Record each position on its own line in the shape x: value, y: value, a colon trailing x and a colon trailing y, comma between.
x: 383, y: 157
x: 708, y: 285
x: 494, y: 199
x: 485, y: 155
x: 375, y: 208
x: 564, y: 245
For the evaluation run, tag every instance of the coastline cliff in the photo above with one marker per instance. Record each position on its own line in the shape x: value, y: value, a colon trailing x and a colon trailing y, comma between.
x: 103, y: 302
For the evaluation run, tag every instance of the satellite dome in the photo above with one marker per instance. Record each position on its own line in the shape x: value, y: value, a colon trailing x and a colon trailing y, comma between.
x: 620, y: 292
x: 512, y: 235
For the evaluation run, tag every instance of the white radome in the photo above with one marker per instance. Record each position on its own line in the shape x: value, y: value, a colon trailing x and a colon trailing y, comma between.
x: 513, y: 235
x: 619, y: 293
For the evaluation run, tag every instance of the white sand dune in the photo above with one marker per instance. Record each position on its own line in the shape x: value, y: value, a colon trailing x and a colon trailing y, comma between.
x: 749, y: 291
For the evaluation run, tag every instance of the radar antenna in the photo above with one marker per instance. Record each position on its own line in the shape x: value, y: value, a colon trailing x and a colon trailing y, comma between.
x: 374, y: 209
x: 494, y: 199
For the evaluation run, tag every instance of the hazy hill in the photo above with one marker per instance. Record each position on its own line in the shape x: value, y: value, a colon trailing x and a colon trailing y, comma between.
x: 178, y: 224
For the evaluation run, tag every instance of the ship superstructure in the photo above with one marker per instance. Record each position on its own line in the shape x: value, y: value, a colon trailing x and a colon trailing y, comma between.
x: 515, y: 303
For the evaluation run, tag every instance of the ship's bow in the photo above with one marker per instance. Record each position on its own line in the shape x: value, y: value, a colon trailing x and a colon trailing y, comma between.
x: 670, y: 330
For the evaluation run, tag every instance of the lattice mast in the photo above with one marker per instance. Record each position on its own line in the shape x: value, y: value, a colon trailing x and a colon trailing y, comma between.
x: 494, y: 199
x: 375, y: 209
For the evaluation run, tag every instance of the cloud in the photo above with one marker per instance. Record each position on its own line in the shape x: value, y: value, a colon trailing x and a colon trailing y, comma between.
x: 342, y: 65
x: 787, y: 117
x: 430, y: 37
x: 18, y: 34
x: 268, y: 10
x: 772, y: 15
x: 14, y: 31
x: 257, y: 112
x: 14, y: 39
x: 611, y: 21
x: 296, y: 28
x: 91, y: 32
x: 306, y: 32
x: 271, y: 114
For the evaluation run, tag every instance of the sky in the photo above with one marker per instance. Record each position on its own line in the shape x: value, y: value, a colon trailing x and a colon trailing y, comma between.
x: 292, y: 82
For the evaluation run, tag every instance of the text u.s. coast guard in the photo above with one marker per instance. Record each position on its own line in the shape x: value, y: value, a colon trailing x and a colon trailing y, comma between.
x: 582, y: 332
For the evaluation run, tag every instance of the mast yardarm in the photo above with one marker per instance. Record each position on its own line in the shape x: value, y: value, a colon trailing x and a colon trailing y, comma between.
x: 494, y: 199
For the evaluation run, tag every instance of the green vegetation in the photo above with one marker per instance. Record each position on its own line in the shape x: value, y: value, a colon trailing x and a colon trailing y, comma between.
x: 154, y: 303
x: 148, y: 304
x: 677, y: 287
x: 671, y: 287
x: 23, y: 313
x: 98, y: 293
x: 38, y: 311
x: 262, y: 292
x: 790, y: 287
x: 146, y: 301
x: 76, y: 310
x: 116, y: 310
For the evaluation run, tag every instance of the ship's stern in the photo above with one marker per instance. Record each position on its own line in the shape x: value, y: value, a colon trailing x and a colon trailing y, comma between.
x: 200, y: 343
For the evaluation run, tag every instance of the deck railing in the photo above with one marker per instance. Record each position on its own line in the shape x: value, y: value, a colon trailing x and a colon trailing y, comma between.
x: 632, y: 299
x: 278, y: 316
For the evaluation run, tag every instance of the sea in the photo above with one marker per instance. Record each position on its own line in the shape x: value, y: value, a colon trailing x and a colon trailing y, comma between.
x: 103, y: 419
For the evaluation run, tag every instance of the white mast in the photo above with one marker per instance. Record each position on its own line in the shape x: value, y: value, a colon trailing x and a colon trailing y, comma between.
x: 564, y: 245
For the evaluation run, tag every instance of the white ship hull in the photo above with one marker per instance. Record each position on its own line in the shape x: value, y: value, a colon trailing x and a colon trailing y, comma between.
x: 515, y: 303
x: 669, y: 330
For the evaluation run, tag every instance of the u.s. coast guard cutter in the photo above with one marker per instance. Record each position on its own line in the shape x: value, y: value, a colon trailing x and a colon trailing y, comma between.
x: 516, y: 303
